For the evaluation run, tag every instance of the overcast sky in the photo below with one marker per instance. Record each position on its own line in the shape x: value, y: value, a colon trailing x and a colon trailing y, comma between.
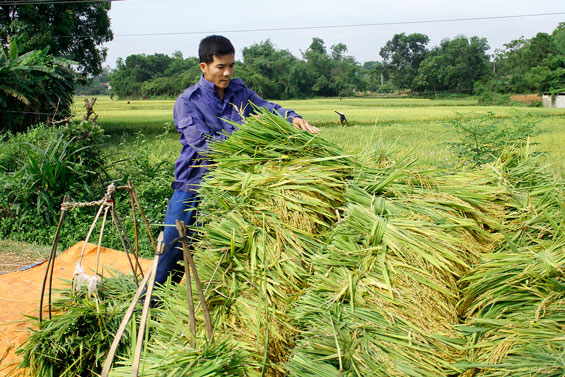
x: 200, y: 18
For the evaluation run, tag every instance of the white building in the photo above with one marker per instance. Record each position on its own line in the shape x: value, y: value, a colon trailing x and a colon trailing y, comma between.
x: 556, y: 100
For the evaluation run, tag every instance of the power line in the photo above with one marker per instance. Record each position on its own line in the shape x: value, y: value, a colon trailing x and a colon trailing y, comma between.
x: 287, y: 28
x: 343, y: 26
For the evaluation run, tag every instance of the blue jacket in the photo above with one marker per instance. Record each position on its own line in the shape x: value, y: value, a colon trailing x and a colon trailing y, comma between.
x: 200, y: 114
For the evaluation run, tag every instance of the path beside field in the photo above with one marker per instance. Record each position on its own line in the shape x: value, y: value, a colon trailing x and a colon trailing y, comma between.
x: 20, y: 294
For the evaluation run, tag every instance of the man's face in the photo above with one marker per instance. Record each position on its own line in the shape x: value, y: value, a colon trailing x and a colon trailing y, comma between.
x: 219, y: 71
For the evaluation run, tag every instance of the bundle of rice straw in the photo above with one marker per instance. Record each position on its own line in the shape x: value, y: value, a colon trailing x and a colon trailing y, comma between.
x: 267, y: 208
x: 514, y: 300
x: 383, y: 299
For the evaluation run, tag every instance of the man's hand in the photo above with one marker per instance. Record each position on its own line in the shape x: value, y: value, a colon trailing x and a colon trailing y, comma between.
x: 301, y: 124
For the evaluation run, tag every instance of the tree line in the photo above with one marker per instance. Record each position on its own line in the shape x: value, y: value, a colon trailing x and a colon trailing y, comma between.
x: 459, y: 65
x: 272, y: 73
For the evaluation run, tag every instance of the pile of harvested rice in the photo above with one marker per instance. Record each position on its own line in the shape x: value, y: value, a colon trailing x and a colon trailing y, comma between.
x: 317, y: 265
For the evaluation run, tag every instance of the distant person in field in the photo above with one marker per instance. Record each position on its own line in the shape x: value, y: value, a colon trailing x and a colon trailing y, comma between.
x: 342, y: 118
x: 200, y: 114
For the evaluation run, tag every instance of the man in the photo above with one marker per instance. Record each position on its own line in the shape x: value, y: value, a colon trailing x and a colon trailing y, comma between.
x: 199, y: 114
x: 342, y: 118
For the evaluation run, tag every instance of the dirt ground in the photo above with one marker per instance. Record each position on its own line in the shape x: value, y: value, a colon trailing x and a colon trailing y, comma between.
x: 526, y: 98
x: 15, y: 255
x: 20, y: 291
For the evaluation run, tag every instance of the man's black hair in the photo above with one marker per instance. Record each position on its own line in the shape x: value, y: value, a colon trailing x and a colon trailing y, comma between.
x: 214, y: 45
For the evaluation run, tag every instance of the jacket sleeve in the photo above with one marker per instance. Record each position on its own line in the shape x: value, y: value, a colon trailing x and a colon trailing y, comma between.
x: 289, y: 114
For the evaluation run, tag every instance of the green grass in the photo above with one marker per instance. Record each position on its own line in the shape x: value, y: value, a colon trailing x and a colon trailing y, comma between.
x: 419, y: 126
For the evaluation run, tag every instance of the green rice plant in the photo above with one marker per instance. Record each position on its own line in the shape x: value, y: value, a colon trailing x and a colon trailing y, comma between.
x: 415, y: 125
x: 516, y: 321
x: 171, y: 360
x: 314, y: 263
x: 319, y: 263
x: 75, y: 341
x: 267, y: 206
x: 278, y: 189
x: 403, y: 235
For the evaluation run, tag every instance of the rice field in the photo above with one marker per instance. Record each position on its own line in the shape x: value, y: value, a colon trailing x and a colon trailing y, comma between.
x: 406, y: 125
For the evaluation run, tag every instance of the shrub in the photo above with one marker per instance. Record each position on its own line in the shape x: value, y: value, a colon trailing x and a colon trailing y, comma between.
x: 484, y: 137
x: 494, y: 98
x: 44, y: 164
x: 88, y: 138
x: 151, y: 178
x: 12, y: 153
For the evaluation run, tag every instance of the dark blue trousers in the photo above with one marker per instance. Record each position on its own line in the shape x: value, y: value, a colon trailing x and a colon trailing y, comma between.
x: 182, y: 207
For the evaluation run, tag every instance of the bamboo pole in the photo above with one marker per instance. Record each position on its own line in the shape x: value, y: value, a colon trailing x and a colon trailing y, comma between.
x: 144, y: 316
x: 143, y: 217
x: 131, y: 308
x: 134, y: 220
x: 51, y: 261
x: 182, y: 233
x: 190, y: 299
x: 100, y: 241
x: 117, y: 223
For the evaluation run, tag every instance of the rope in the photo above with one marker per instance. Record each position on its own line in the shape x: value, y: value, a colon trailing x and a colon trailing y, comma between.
x: 106, y: 201
x: 82, y: 279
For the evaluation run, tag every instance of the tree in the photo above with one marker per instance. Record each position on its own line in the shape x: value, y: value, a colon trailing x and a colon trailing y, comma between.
x: 30, y: 83
x: 74, y: 30
x: 374, y: 74
x: 456, y: 65
x: 128, y: 78
x: 331, y: 75
x: 268, y: 70
x: 68, y: 30
x: 153, y: 75
x: 338, y: 51
x: 345, y: 71
x: 402, y: 56
x: 317, y: 68
x: 316, y: 49
x: 536, y: 64
x: 97, y: 85
x: 272, y: 73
